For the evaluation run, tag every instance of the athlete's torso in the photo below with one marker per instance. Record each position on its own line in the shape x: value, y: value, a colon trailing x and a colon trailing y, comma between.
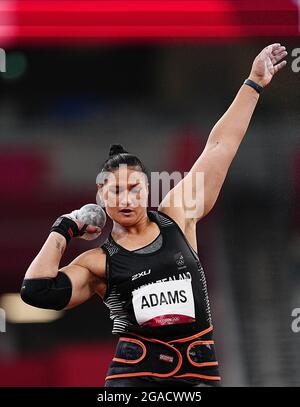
x: 160, y: 294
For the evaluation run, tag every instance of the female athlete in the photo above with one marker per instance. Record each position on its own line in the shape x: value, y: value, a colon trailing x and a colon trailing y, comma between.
x: 147, y: 271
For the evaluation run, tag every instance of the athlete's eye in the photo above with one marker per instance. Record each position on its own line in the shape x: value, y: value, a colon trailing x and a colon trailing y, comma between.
x: 135, y: 189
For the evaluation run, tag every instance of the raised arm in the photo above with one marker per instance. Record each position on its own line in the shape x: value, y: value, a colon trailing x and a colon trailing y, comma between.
x: 193, y: 197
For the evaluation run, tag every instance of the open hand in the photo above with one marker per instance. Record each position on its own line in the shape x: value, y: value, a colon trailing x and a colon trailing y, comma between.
x: 267, y: 64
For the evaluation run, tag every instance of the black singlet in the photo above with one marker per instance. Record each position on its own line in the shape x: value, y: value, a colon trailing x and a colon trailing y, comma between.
x: 162, y: 294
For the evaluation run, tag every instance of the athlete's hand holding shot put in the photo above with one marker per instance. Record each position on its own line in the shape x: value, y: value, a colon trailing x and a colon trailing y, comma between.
x: 148, y: 272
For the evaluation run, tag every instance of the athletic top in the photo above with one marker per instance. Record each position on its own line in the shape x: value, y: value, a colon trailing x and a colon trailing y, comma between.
x: 160, y: 294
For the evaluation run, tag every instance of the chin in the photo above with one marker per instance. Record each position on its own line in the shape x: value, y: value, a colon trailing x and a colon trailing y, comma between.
x: 126, y: 220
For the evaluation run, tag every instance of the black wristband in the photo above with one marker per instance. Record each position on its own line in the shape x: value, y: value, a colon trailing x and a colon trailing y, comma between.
x: 66, y: 227
x: 253, y: 85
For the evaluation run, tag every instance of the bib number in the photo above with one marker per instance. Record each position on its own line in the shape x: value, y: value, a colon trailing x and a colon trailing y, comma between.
x: 164, y: 303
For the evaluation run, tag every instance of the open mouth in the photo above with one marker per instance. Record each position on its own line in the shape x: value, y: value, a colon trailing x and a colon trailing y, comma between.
x: 126, y: 211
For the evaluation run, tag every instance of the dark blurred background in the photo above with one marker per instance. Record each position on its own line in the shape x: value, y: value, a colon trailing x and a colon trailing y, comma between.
x: 155, y: 77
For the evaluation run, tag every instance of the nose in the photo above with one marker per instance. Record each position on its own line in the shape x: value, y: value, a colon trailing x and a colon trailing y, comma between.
x: 124, y: 199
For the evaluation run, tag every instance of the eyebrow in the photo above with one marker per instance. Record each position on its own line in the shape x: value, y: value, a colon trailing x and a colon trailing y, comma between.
x: 130, y: 185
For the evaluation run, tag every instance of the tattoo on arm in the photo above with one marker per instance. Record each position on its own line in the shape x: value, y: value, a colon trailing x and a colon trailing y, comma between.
x: 60, y: 247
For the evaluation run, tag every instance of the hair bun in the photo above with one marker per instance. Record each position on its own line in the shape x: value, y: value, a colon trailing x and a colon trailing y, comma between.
x: 116, y: 149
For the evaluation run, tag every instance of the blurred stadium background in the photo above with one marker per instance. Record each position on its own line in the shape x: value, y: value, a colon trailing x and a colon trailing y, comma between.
x: 154, y: 76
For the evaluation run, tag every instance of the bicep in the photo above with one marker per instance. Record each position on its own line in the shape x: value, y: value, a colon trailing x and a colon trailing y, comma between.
x: 208, y: 175
x: 82, y: 282
x: 195, y: 195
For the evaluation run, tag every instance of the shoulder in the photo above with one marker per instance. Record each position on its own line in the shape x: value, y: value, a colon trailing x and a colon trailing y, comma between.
x: 187, y: 226
x: 177, y: 215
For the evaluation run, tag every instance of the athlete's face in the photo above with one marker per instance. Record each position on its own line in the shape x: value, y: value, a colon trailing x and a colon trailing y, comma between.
x: 125, y: 195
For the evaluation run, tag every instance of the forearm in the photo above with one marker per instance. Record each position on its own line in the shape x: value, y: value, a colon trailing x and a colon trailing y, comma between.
x: 232, y: 126
x: 46, y: 263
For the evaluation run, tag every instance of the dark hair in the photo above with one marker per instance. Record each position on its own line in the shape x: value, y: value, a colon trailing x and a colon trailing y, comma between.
x: 117, y: 156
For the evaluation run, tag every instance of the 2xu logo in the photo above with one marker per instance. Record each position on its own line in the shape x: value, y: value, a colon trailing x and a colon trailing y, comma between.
x: 2, y: 320
x: 2, y: 60
x: 141, y: 274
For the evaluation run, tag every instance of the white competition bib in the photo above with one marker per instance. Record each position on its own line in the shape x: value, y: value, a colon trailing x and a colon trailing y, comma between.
x: 164, y: 303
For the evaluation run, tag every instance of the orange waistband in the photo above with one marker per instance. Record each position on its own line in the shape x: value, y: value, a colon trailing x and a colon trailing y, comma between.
x: 180, y: 340
x: 169, y: 344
